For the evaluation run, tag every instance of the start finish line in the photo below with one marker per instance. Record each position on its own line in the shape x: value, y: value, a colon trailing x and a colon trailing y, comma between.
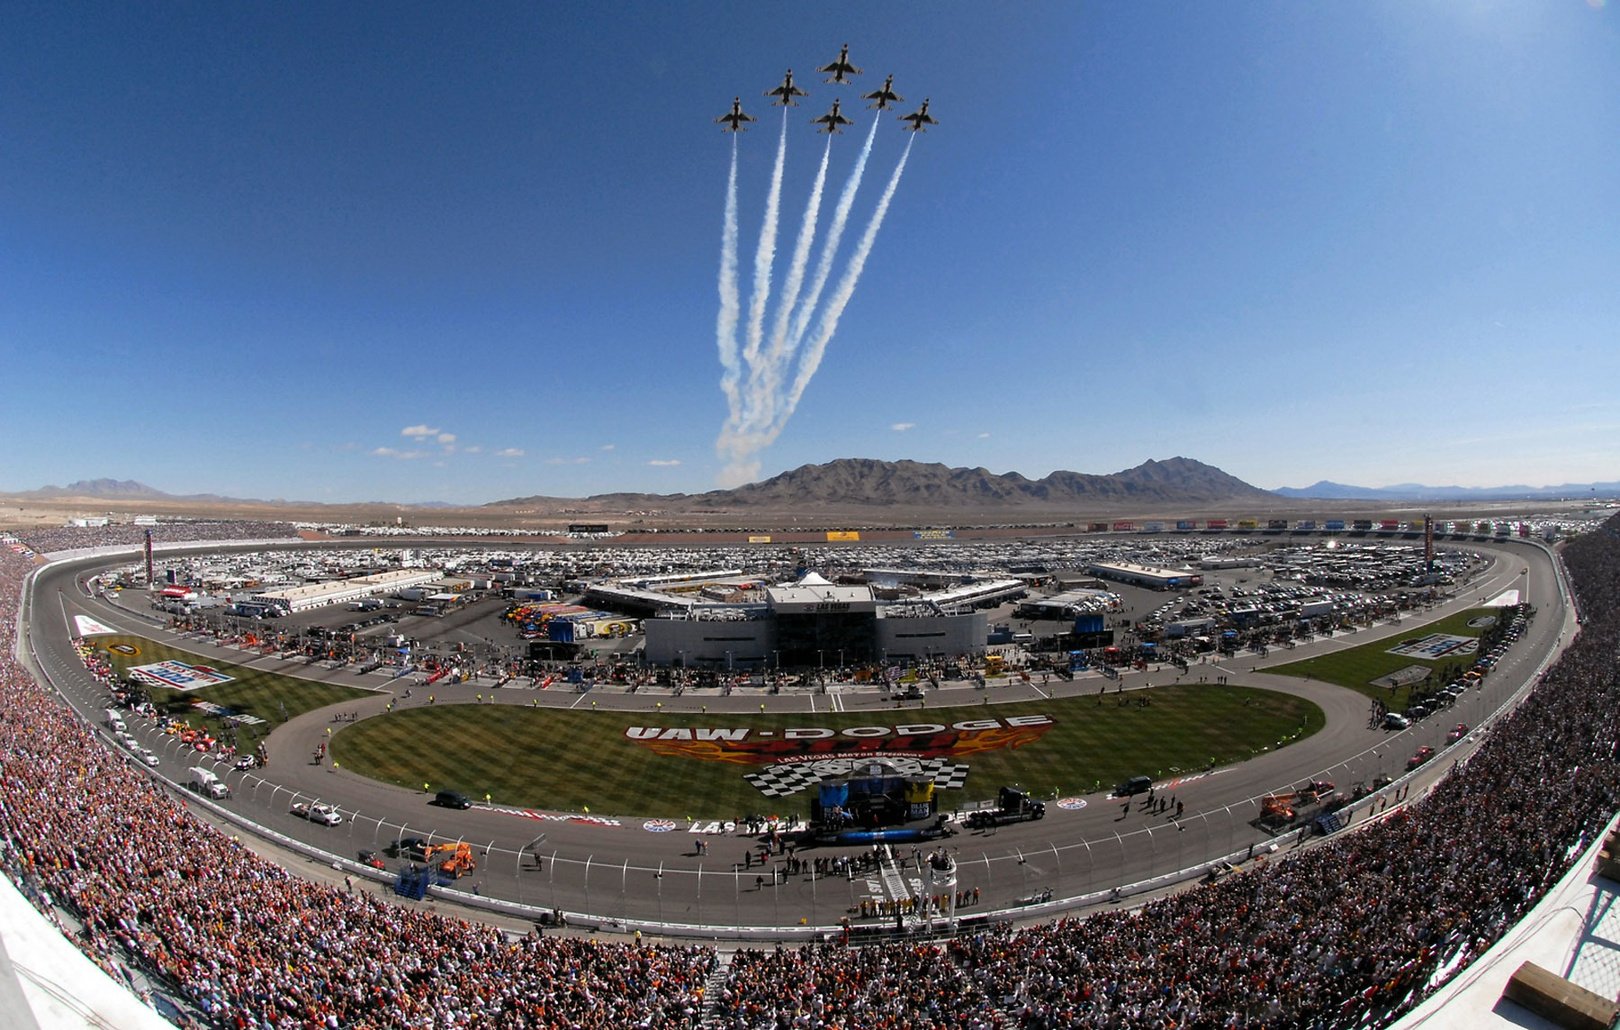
x: 179, y: 675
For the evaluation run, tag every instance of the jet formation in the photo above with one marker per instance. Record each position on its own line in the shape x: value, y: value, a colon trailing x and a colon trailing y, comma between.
x: 768, y: 355
x: 841, y: 71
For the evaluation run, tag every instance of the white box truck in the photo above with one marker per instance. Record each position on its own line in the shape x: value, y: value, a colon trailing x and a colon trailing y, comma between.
x: 204, y: 781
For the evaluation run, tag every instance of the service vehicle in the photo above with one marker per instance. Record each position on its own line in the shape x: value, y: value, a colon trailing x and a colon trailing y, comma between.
x: 1012, y: 806
x: 206, y: 781
x: 317, y: 813
x: 1134, y: 785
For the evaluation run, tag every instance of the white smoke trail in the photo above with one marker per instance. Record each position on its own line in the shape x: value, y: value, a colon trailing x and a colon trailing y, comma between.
x: 725, y: 327
x: 767, y: 380
x: 828, y: 249
x: 765, y: 256
x: 811, y: 358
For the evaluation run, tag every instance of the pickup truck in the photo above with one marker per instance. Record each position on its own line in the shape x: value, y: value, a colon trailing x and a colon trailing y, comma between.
x: 317, y: 813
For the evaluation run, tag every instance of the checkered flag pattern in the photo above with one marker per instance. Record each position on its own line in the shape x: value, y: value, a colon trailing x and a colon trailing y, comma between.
x: 779, y: 781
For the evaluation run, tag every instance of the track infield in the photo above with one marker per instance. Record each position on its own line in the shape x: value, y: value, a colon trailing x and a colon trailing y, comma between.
x: 1357, y: 667
x: 577, y: 760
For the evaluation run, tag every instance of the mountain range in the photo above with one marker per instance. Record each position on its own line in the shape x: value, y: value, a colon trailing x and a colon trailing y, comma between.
x: 1329, y: 491
x: 867, y: 483
x: 863, y: 483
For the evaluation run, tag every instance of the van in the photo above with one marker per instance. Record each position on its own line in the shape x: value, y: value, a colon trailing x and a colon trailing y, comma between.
x: 1134, y: 785
x: 452, y: 799
x: 115, y: 721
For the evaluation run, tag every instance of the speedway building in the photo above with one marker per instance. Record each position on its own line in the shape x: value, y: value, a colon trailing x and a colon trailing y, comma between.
x: 814, y: 622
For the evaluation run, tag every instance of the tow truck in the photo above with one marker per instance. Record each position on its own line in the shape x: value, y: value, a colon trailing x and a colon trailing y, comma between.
x: 1012, y: 806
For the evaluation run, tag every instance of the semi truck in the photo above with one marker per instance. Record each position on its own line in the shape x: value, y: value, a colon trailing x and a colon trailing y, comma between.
x: 1012, y: 806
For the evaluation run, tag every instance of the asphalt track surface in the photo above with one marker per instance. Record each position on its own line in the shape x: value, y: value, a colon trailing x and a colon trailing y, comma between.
x: 621, y: 870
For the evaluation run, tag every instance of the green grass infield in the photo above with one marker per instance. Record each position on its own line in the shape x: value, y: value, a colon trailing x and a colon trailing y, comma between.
x: 268, y: 696
x: 573, y: 760
x: 1357, y: 667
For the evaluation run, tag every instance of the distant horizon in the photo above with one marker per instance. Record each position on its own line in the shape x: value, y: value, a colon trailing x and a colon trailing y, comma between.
x: 326, y: 251
x: 429, y: 501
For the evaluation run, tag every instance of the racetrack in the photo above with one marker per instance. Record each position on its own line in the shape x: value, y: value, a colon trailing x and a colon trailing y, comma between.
x: 638, y: 869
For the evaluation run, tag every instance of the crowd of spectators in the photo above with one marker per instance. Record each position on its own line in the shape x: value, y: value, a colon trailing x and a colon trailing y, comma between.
x: 247, y: 943
x: 58, y: 539
x: 1345, y: 934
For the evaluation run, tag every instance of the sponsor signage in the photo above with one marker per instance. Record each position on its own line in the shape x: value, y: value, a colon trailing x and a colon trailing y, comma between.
x: 1435, y: 646
x: 934, y: 534
x: 749, y: 746
x: 177, y: 675
x: 759, y: 539
x: 842, y: 536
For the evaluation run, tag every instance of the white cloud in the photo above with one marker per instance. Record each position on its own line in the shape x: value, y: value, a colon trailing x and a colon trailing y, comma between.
x: 474, y: 449
x: 663, y: 463
x: 418, y: 431
x: 901, y: 427
x: 509, y: 452
x: 984, y: 436
x: 568, y: 461
x: 608, y: 446
x: 447, y: 438
x: 392, y: 452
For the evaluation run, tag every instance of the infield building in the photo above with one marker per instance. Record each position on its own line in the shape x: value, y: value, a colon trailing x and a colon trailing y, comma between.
x: 812, y: 622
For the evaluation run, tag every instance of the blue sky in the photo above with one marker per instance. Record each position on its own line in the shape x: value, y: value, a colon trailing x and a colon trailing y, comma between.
x: 466, y: 252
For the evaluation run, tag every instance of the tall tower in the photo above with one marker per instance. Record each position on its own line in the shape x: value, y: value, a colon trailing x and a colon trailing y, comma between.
x: 1428, y: 548
x: 147, y: 548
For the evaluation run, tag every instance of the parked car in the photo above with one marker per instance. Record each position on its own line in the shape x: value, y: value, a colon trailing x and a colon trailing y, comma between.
x: 1134, y: 785
x: 1396, y: 721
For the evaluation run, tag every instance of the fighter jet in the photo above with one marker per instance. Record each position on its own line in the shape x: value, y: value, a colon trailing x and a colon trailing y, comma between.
x: 882, y: 98
x: 735, y: 119
x: 919, y: 119
x: 841, y: 67
x: 785, y: 93
x: 832, y: 121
